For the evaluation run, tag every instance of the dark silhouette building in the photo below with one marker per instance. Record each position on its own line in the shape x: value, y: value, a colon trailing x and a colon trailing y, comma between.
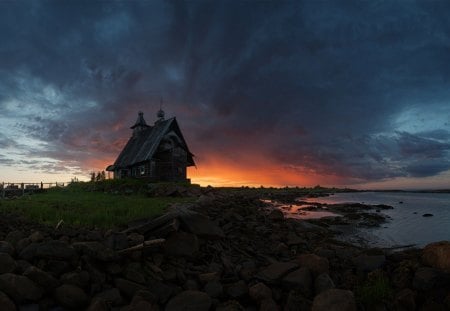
x: 155, y: 152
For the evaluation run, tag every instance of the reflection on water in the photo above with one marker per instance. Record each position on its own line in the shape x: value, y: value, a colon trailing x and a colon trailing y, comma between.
x: 301, y: 211
x: 407, y: 224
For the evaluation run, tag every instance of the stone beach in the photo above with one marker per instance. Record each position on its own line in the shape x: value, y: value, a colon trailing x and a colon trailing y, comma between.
x: 226, y: 251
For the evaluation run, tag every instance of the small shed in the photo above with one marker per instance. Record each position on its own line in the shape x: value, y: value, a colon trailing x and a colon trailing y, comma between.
x: 155, y: 152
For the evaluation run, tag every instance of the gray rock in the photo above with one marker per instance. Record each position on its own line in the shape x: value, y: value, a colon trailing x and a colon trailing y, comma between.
x: 181, y: 244
x: 405, y: 300
x: 259, y: 292
x: 80, y: 279
x: 200, y: 225
x: 426, y: 278
x: 6, y: 303
x: 322, y: 283
x: 14, y: 236
x: 20, y: 288
x: 214, y: 289
x: 189, y: 301
x: 6, y: 247
x: 96, y: 250
x: 300, y: 279
x: 437, y: 255
x: 111, y: 296
x: 368, y: 263
x: 117, y: 241
x: 53, y: 249
x: 334, y: 300
x: 276, y: 271
x: 7, y: 263
x: 237, y: 290
x: 42, y: 278
x: 128, y: 288
x: 316, y: 264
x: 71, y: 297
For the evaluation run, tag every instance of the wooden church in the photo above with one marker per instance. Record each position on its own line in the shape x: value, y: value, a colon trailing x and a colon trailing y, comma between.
x: 155, y: 152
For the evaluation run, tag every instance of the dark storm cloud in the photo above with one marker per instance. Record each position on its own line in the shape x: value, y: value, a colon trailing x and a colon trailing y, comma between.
x: 315, y: 86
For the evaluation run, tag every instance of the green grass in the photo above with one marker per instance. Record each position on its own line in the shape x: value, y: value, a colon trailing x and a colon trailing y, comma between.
x: 78, y: 207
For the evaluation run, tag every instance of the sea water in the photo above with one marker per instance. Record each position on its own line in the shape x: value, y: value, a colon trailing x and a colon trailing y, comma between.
x: 406, y: 225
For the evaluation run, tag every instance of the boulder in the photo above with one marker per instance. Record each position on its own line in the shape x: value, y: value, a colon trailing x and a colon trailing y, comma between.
x: 322, y: 283
x: 128, y: 288
x: 96, y: 250
x: 111, y: 296
x: 437, y: 255
x: 181, y: 244
x: 276, y: 271
x: 405, y: 300
x: 80, y: 279
x: 259, y: 292
x: 237, y: 290
x: 301, y: 280
x: 200, y: 225
x: 214, y: 289
x: 6, y: 303
x: 42, y: 278
x: 20, y: 288
x: 268, y: 304
x: 71, y: 297
x: 98, y: 304
x: 7, y: 263
x: 426, y: 278
x: 316, y: 264
x: 189, y: 300
x: 6, y: 247
x: 334, y: 300
x: 53, y: 249
x: 368, y: 263
x: 275, y: 215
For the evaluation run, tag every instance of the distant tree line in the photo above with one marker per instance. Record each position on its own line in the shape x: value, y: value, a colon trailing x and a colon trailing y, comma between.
x: 99, y: 176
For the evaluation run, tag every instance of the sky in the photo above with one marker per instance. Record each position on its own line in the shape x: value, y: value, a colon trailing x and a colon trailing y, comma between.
x: 273, y: 93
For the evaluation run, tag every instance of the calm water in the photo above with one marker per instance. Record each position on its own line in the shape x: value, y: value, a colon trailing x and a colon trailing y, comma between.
x: 407, y: 226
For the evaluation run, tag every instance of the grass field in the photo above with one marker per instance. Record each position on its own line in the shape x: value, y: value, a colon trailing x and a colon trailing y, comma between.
x: 78, y: 207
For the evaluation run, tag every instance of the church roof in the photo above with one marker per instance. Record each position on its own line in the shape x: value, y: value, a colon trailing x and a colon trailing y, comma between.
x: 142, y: 146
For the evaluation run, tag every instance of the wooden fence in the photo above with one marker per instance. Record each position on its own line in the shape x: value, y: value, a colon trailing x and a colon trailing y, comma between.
x: 14, y: 189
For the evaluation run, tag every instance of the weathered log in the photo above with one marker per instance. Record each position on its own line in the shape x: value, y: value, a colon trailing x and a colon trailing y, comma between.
x: 164, y: 230
x: 145, y: 244
x: 152, y: 224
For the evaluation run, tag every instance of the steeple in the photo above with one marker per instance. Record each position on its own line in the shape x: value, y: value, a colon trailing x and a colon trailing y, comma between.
x: 160, y: 114
x: 140, y: 123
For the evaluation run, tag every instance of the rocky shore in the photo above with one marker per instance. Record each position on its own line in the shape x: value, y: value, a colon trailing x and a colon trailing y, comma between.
x: 226, y: 251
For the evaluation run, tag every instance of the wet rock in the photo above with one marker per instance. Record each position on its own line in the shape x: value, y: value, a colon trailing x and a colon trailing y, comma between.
x: 437, y: 255
x: 41, y: 278
x: 19, y: 288
x: 426, y: 278
x: 6, y: 303
x: 111, y: 296
x: 181, y: 244
x: 427, y: 215
x: 189, y: 300
x: 276, y: 271
x: 405, y: 300
x: 322, y: 283
x: 237, y: 290
x: 7, y: 263
x: 128, y: 288
x: 95, y: 250
x: 6, y: 247
x: 367, y: 263
x: 214, y: 289
x: 71, y: 297
x: 259, y: 292
x: 316, y: 264
x: 334, y: 300
x: 299, y: 279
x: 200, y: 225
